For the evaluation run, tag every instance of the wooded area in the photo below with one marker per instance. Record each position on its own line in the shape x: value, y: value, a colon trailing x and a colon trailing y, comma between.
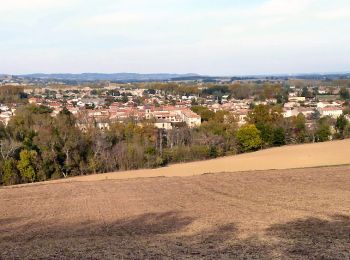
x: 35, y: 146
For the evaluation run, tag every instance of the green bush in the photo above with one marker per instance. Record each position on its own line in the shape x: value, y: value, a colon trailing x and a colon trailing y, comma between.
x: 248, y: 137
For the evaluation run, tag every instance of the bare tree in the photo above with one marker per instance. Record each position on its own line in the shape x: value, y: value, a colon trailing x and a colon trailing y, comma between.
x: 8, y: 147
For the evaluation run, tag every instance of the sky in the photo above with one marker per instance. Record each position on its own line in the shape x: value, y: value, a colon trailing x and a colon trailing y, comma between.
x: 221, y: 37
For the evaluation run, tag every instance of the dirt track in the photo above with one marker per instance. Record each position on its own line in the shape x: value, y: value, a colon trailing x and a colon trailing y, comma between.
x: 301, y: 213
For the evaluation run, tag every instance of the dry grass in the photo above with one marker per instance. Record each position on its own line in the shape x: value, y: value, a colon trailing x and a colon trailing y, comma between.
x: 299, y: 214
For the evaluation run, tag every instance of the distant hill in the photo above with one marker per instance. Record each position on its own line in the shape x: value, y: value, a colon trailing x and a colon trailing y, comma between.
x: 137, y: 77
x: 109, y: 77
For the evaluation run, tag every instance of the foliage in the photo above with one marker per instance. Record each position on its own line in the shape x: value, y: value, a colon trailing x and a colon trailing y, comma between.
x: 216, y: 90
x: 240, y: 91
x: 204, y: 112
x: 12, y: 94
x: 344, y: 93
x: 36, y: 146
x: 267, y: 119
x: 306, y: 93
x: 323, y: 130
x: 279, y: 137
x: 9, y: 172
x: 299, y: 128
x: 248, y: 138
x: 263, y: 114
x: 26, y: 165
x: 341, y: 126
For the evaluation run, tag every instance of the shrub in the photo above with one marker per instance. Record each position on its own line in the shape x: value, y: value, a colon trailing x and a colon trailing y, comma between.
x: 248, y: 138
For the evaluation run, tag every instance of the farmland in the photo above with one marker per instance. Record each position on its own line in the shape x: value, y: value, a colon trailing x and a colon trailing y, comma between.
x: 295, y: 213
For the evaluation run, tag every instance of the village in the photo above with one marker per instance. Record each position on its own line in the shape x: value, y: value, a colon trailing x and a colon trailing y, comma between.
x: 99, y: 107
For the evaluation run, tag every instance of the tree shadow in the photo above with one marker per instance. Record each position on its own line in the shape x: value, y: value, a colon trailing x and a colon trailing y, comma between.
x: 314, y: 238
x: 144, y: 225
x: 223, y: 242
x: 6, y: 221
x: 170, y: 235
x: 150, y: 236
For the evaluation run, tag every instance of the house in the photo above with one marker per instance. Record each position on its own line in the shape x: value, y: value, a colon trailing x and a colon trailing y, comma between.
x: 327, y: 98
x: 93, y: 101
x: 334, y: 112
x: 190, y: 118
x: 306, y: 111
x: 4, y: 108
x: 54, y: 105
x: 225, y: 98
x: 73, y: 110
x: 290, y: 105
x: 34, y: 100
x: 289, y: 112
x: 80, y: 103
x: 241, y: 116
x: 271, y: 101
x: 296, y: 99
x: 322, y: 91
x: 329, y: 104
x: 172, y: 115
x: 169, y: 116
x: 5, y: 117
x: 322, y: 104
x: 163, y: 124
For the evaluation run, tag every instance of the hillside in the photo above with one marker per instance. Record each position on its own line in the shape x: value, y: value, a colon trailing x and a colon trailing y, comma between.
x: 286, y: 157
x: 281, y: 214
x: 242, y: 213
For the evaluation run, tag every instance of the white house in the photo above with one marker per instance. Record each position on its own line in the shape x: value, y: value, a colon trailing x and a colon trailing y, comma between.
x: 334, y: 112
x: 296, y: 99
x: 5, y: 117
x: 288, y: 112
x: 191, y: 118
x: 4, y: 108
x: 163, y: 124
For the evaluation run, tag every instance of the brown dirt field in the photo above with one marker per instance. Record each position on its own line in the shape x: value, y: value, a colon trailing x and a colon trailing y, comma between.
x: 287, y: 157
x: 288, y: 214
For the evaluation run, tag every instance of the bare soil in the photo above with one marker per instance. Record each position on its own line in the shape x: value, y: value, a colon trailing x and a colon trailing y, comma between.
x: 272, y: 214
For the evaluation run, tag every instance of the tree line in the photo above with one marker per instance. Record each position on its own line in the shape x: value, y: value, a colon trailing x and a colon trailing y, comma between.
x: 35, y: 146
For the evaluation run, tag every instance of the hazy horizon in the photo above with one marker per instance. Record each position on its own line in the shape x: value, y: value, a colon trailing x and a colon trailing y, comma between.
x: 227, y: 38
x: 185, y: 73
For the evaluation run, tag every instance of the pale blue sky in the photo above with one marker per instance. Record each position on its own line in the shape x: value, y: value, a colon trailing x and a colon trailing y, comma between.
x: 221, y: 37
